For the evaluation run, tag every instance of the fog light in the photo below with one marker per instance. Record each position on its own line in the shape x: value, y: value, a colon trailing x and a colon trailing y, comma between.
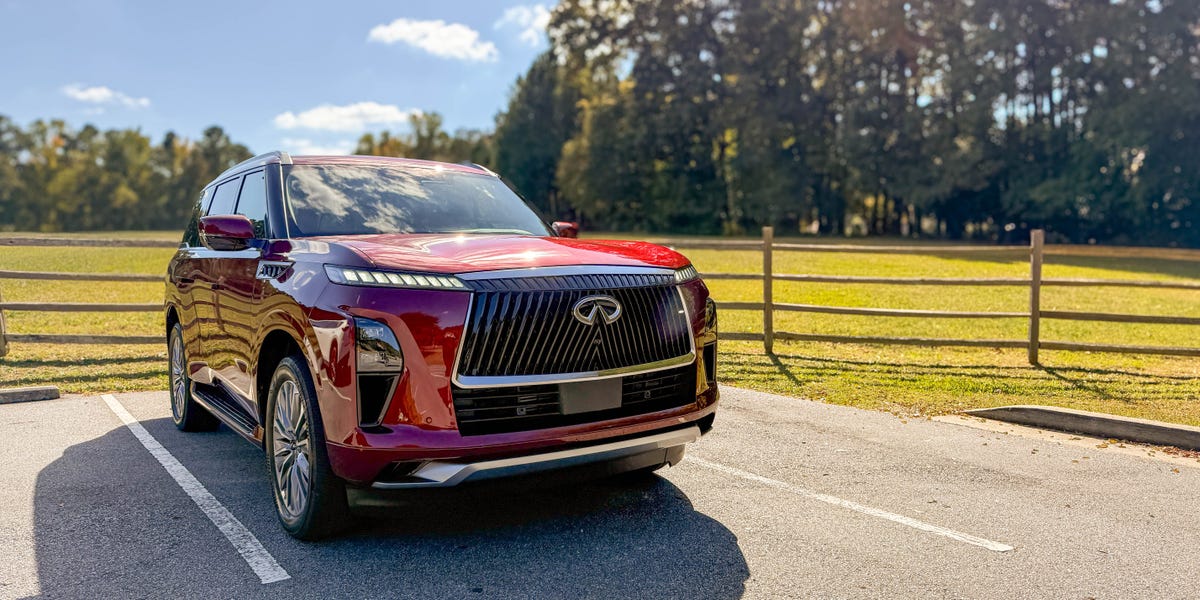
x: 379, y: 364
x: 378, y: 350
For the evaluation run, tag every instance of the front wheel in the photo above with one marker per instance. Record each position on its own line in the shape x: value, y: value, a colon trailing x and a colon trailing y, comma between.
x: 187, y: 414
x: 309, y: 499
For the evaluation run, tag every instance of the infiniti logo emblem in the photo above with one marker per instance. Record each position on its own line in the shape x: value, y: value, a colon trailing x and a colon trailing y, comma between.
x: 590, y: 307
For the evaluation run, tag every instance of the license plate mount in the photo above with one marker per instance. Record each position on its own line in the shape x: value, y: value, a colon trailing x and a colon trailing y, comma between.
x: 589, y: 396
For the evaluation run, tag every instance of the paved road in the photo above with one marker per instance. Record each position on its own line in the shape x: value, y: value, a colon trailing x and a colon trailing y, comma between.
x: 785, y: 498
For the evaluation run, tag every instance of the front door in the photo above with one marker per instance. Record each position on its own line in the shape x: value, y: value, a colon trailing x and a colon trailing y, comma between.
x: 206, y: 282
x: 238, y: 296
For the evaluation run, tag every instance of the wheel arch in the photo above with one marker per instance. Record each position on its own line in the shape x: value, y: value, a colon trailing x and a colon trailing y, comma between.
x: 172, y: 318
x: 277, y: 344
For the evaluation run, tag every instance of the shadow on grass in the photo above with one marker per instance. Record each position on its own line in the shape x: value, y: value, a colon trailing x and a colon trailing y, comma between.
x: 838, y: 364
x: 782, y: 368
x: 1169, y: 266
x: 60, y: 379
x: 32, y: 363
x: 1064, y: 375
x: 934, y: 387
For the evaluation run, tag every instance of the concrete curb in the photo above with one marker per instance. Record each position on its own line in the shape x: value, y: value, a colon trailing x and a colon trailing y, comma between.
x: 1096, y: 424
x: 28, y: 394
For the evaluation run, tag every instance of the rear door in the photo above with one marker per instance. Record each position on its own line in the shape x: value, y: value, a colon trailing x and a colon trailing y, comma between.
x: 185, y: 269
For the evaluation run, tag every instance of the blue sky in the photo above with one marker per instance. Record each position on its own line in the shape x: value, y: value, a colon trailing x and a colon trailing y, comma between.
x: 295, y: 76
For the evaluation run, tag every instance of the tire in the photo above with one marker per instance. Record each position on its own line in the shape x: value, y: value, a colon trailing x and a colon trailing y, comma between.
x: 310, y: 500
x: 185, y: 412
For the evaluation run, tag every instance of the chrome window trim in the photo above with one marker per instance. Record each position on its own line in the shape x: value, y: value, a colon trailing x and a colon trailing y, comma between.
x: 568, y: 270
x: 206, y: 252
x: 472, y: 382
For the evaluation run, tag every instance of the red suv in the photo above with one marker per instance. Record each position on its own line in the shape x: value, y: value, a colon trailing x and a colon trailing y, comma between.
x: 386, y: 324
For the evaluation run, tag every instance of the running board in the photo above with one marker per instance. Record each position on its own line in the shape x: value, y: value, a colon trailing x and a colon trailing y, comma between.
x: 218, y: 402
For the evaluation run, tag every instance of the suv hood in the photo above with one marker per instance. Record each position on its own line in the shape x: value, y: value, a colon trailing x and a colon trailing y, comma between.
x: 464, y: 253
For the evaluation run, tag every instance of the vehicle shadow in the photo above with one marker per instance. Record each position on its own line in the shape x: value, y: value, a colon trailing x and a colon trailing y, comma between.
x: 627, y: 536
x: 109, y: 522
x: 105, y: 514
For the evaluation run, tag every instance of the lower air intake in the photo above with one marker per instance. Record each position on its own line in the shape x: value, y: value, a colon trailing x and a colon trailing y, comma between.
x: 483, y: 411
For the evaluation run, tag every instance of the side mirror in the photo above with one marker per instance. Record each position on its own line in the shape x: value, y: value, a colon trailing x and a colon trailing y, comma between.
x: 226, y: 232
x: 567, y: 229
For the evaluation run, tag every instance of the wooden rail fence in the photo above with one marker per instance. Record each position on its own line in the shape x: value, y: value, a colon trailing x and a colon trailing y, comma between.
x: 44, y: 338
x: 1035, y: 251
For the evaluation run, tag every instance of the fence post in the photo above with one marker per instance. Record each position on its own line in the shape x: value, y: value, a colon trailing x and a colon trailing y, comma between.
x: 1037, y: 239
x: 3, y: 333
x: 768, y: 234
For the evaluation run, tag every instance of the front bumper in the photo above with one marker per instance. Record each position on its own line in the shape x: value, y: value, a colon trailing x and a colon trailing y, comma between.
x: 629, y: 454
x: 376, y: 456
x: 420, y: 422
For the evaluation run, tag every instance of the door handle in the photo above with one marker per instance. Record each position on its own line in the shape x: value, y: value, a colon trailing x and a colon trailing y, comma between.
x: 186, y: 280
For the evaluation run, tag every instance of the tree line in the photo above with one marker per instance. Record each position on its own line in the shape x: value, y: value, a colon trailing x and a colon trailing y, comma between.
x: 945, y: 118
x: 975, y: 119
x: 56, y: 178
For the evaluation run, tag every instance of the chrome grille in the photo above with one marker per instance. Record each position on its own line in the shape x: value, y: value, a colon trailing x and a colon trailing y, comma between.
x: 525, y: 326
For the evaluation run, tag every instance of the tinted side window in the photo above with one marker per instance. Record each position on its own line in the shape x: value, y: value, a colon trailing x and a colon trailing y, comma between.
x: 253, y: 201
x: 225, y: 198
x: 191, y: 235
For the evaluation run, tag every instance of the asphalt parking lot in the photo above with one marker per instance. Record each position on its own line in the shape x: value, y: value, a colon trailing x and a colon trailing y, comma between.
x: 786, y: 498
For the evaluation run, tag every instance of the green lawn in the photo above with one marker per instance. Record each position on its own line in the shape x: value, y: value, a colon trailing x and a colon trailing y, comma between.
x: 903, y: 379
x: 927, y: 381
x: 83, y: 368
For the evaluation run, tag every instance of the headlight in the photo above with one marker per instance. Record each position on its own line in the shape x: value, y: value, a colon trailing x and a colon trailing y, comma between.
x: 378, y: 350
x: 687, y: 273
x: 371, y: 277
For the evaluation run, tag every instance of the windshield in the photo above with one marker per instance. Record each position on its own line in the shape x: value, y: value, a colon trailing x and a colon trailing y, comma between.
x: 365, y: 199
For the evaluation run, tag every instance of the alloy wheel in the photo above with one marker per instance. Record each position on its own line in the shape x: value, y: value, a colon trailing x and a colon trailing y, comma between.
x: 291, y: 450
x: 179, y: 392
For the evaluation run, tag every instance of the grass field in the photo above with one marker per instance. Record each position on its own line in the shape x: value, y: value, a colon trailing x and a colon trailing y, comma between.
x: 80, y: 368
x: 906, y: 380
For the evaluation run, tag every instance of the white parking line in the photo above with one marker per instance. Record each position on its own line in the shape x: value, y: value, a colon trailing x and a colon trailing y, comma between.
x: 866, y: 510
x: 247, y: 545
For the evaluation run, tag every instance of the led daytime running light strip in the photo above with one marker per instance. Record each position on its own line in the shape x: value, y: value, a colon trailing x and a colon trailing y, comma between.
x: 687, y: 273
x: 349, y: 276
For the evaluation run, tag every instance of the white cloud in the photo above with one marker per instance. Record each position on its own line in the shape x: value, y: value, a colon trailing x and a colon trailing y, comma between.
x: 350, y: 117
x: 439, y: 38
x: 100, y: 94
x: 532, y: 19
x: 302, y: 146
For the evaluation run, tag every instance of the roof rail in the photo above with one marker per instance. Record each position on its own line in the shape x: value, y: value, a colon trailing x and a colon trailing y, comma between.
x: 266, y: 158
x: 467, y: 163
